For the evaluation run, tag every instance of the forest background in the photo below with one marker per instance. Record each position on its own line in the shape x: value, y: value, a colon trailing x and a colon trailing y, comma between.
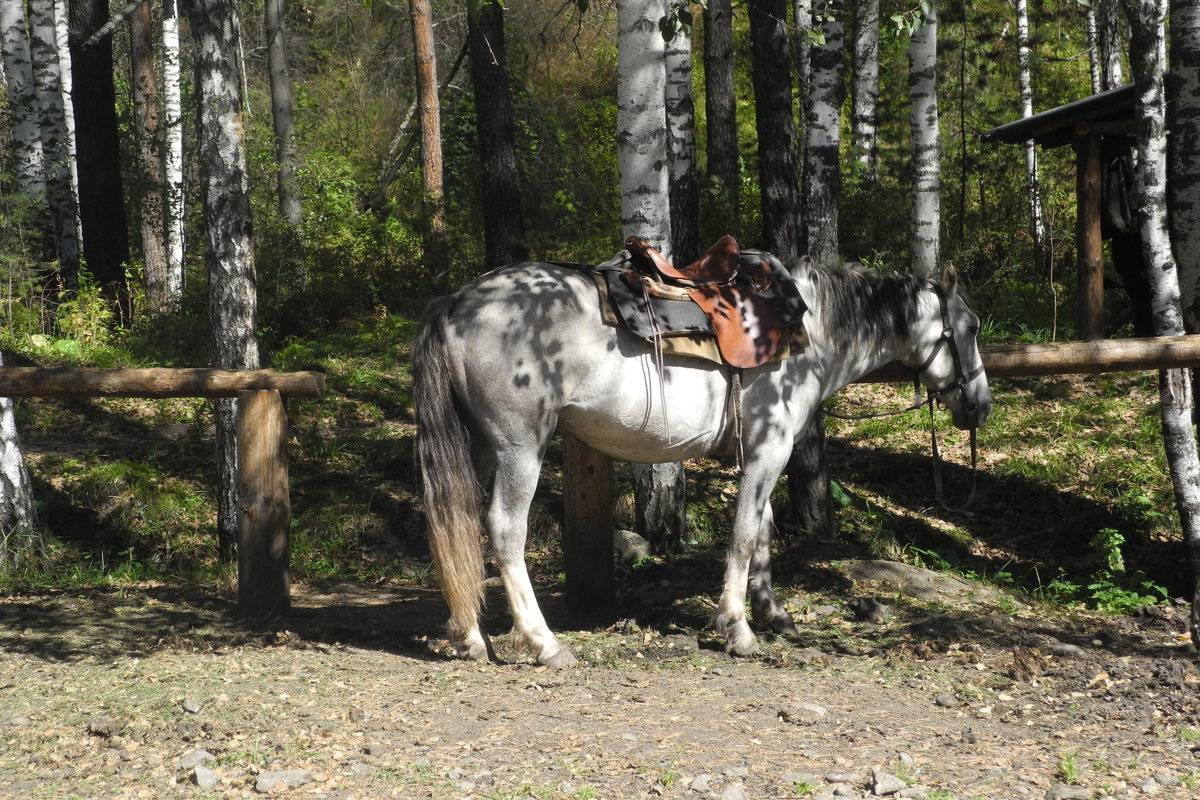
x: 357, y: 248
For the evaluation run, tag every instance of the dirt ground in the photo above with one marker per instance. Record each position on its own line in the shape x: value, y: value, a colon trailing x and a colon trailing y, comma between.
x: 905, y: 684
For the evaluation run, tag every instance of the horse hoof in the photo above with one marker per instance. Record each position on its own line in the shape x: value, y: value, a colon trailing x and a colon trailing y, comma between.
x: 559, y: 660
x: 740, y: 640
x: 782, y: 625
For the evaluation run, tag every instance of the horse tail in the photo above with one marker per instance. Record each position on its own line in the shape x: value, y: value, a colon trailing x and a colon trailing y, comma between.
x: 451, y: 488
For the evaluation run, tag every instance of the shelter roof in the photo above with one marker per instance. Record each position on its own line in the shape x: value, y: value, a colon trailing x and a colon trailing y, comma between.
x: 1110, y: 112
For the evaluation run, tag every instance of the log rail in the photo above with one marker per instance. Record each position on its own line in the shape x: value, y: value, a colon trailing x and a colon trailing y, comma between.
x: 265, y: 508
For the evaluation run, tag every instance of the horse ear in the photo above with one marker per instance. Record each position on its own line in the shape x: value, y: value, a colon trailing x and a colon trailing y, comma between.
x: 949, y: 279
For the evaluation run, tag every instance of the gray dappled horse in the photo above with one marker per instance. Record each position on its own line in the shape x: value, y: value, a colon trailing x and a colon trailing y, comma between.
x: 503, y: 362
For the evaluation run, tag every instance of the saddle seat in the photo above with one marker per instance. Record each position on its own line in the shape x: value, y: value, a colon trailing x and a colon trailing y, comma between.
x: 729, y: 289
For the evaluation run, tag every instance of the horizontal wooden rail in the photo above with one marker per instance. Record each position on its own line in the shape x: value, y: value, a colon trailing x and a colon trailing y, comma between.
x: 1062, y: 358
x: 153, y: 382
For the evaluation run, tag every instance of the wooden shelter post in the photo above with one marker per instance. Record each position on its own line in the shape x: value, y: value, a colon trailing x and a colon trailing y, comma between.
x: 1088, y: 241
x: 588, y: 524
x: 266, y: 511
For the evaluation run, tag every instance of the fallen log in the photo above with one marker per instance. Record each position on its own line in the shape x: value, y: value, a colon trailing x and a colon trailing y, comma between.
x: 153, y: 382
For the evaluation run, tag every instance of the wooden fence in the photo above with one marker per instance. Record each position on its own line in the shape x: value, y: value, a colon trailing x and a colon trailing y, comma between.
x: 263, y: 546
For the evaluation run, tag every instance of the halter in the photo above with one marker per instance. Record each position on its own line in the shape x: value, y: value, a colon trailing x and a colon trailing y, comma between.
x: 960, y: 381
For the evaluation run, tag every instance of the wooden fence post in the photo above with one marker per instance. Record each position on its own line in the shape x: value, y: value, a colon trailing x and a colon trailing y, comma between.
x: 1089, y: 177
x: 266, y: 512
x: 588, y: 529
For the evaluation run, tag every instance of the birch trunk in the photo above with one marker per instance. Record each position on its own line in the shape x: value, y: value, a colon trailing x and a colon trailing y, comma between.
x: 643, y: 167
x: 18, y: 534
x: 720, y: 106
x: 22, y: 102
x: 865, y: 87
x: 771, y: 71
x: 503, y: 222
x: 150, y: 174
x: 802, y: 27
x: 1037, y: 227
x: 1110, y: 35
x: 924, y: 228
x: 228, y: 234
x: 681, y: 143
x: 823, y: 115
x: 282, y: 110
x: 1147, y: 58
x: 57, y: 149
x: 173, y: 209
x: 430, y: 120
x: 1184, y: 185
x: 1093, y: 38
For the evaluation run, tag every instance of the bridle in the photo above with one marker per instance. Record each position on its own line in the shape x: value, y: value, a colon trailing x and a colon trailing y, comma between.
x: 959, y: 381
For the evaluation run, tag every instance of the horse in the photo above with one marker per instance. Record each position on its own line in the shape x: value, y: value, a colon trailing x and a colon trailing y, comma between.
x: 523, y: 351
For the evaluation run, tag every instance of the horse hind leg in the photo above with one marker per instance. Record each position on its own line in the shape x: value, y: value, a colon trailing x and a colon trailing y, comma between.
x: 765, y: 609
x: 507, y: 522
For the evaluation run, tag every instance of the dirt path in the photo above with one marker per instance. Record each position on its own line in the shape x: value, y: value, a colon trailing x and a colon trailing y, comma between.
x: 145, y: 691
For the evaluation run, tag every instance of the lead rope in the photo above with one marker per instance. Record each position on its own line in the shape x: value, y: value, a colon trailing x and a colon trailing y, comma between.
x: 656, y: 333
x: 938, y: 487
x: 735, y: 401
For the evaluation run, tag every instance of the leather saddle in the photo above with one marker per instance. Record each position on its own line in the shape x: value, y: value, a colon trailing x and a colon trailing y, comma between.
x: 750, y: 302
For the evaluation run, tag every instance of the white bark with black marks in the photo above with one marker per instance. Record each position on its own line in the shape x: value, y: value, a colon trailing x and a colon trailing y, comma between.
x: 823, y: 116
x: 1147, y: 59
x: 720, y: 105
x: 681, y: 126
x: 17, y: 519
x: 1110, y: 37
x: 1184, y: 186
x: 282, y: 110
x: 865, y: 87
x: 22, y: 102
x: 1037, y: 226
x: 925, y: 221
x: 173, y: 209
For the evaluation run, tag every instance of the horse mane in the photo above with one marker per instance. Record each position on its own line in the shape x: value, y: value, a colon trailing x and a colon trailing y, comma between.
x: 857, y: 306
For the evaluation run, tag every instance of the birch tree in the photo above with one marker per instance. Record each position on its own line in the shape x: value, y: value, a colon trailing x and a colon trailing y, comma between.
x: 1093, y: 39
x: 1110, y: 36
x: 643, y: 168
x: 57, y: 147
x: 228, y: 234
x: 173, y: 209
x: 823, y: 116
x: 865, y: 87
x: 771, y: 72
x: 720, y: 107
x: 503, y: 222
x: 1037, y: 226
x: 1147, y: 58
x: 1184, y: 185
x: 150, y: 174
x: 18, y: 535
x: 684, y: 188
x: 924, y: 234
x: 283, y: 115
x: 22, y: 102
x: 433, y: 201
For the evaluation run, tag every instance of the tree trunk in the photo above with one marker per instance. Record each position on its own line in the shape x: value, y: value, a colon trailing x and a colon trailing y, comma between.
x: 771, y: 71
x: 1110, y: 36
x: 228, y: 234
x: 150, y: 174
x: 433, y: 199
x: 282, y: 110
x: 18, y: 532
x: 681, y: 145
x: 57, y: 146
x: 865, y: 88
x: 720, y: 106
x: 642, y: 162
x: 823, y: 113
x: 503, y: 222
x: 1147, y: 57
x: 924, y: 228
x: 1096, y: 72
x: 97, y: 143
x: 1184, y: 185
x: 173, y: 209
x: 22, y: 103
x: 1037, y: 227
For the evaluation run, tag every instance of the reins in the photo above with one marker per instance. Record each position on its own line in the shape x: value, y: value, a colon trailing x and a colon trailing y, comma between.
x: 960, y: 381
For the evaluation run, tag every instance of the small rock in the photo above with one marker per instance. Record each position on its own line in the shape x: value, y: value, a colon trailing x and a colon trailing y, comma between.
x: 886, y: 783
x: 802, y: 713
x: 20, y: 722
x: 914, y: 793
x: 360, y: 770
x: 701, y: 783
x: 799, y: 779
x: 844, y: 790
x: 1149, y: 786
x: 104, y: 726
x: 284, y: 778
x: 374, y: 749
x: 194, y: 758
x: 630, y: 548
x: 841, y: 777
x: 1067, y: 650
x: 734, y: 791
x: 191, y: 706
x: 824, y: 611
x: 204, y: 777
x: 740, y: 773
x: 869, y: 609
x: 946, y: 700
x: 1061, y: 791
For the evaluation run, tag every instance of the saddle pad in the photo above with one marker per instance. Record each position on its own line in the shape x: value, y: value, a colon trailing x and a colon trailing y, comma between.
x: 763, y: 298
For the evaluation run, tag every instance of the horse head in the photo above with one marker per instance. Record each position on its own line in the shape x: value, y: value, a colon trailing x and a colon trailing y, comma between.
x: 945, y: 353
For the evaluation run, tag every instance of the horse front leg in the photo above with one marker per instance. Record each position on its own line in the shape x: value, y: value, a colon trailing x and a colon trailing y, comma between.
x: 751, y: 526
x: 766, y: 611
